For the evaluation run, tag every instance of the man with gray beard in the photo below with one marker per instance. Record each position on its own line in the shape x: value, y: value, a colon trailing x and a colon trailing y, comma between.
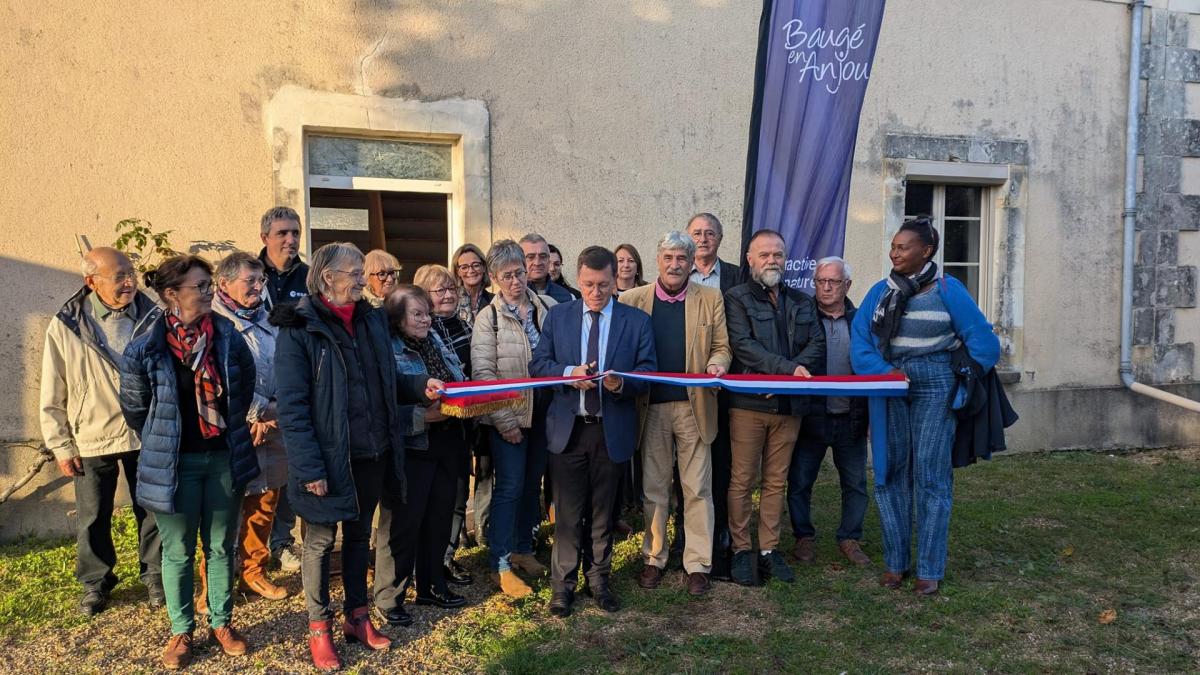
x: 773, y: 330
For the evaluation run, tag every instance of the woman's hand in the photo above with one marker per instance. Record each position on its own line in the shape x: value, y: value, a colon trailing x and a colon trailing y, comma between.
x: 433, y: 413
x: 512, y: 435
x: 432, y: 387
x: 260, y: 429
x: 319, y: 488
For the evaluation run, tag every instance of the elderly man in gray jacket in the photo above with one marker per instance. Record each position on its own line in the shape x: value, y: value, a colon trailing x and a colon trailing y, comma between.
x: 82, y: 422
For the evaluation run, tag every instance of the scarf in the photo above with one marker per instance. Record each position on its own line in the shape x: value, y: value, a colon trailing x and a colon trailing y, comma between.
x: 431, y: 356
x: 192, y: 345
x: 885, y: 322
x: 663, y: 294
x: 240, y: 310
x: 344, y: 313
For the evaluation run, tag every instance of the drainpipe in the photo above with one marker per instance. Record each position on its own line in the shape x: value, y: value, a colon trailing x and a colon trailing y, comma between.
x: 1130, y: 215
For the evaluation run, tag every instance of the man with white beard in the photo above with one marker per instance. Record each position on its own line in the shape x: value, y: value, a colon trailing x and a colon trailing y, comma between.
x: 773, y: 330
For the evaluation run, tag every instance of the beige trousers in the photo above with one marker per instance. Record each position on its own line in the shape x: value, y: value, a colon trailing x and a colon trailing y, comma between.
x: 759, y: 441
x: 671, y: 431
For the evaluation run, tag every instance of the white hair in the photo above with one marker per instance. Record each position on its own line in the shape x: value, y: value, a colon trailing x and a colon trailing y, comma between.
x: 833, y: 260
x: 675, y: 240
x: 327, y: 258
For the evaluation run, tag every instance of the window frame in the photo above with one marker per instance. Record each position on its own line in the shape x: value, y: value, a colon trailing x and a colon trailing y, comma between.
x: 986, y: 253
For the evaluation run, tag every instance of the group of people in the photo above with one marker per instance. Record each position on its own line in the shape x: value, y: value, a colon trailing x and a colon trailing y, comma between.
x: 269, y: 389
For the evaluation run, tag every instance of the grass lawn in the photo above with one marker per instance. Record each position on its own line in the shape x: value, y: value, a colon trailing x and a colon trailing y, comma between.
x: 1062, y: 562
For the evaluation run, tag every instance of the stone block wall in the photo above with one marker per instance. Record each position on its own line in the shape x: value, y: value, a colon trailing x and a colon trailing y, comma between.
x: 1169, y: 201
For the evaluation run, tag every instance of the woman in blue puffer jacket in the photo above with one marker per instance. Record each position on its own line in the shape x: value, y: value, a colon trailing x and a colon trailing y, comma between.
x: 186, y: 386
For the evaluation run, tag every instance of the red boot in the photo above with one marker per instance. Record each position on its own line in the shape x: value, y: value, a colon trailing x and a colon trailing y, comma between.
x: 358, y: 628
x: 320, y: 643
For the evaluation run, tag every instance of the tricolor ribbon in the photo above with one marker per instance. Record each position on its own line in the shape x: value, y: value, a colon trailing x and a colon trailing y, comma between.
x: 875, y: 387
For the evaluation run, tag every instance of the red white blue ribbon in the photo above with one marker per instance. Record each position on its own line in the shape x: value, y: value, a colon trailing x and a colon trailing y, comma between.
x: 832, y: 385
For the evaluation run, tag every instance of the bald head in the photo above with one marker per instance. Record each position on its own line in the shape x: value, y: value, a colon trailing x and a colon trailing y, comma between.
x: 110, y: 274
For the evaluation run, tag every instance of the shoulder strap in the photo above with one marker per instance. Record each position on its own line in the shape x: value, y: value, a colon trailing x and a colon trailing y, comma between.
x: 495, y: 320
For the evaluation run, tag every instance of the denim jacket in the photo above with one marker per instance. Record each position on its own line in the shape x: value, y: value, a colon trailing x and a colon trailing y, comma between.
x: 408, y: 362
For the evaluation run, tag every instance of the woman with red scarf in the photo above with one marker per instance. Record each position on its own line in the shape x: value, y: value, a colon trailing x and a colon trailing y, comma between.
x: 186, y: 387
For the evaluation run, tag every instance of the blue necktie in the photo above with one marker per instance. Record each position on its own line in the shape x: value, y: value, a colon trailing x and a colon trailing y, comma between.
x: 591, y: 397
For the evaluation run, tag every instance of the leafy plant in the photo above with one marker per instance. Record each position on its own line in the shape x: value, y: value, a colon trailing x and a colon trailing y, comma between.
x: 144, y: 246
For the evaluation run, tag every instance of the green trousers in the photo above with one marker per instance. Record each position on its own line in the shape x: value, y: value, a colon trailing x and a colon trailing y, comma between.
x: 205, y: 503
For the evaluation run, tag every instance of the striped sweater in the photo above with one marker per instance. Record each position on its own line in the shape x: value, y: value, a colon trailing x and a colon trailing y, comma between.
x: 925, y: 327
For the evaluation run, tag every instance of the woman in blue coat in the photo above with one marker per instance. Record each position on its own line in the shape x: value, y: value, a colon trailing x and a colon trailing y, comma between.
x: 337, y: 392
x: 186, y: 386
x: 909, y: 323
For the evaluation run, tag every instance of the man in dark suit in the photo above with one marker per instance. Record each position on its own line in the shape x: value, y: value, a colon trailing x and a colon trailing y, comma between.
x: 709, y: 270
x: 591, y: 427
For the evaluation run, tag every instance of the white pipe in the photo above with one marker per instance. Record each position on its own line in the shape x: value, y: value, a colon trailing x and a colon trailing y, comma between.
x: 1130, y: 215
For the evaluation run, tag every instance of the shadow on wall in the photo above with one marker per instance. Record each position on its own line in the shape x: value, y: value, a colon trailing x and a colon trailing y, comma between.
x: 36, y: 292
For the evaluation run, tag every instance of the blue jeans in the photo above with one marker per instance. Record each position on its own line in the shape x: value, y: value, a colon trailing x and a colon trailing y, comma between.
x: 516, y: 508
x: 850, y: 458
x: 920, y: 436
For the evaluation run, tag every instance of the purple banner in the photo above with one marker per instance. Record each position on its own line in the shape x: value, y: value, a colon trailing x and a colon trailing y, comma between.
x: 814, y: 62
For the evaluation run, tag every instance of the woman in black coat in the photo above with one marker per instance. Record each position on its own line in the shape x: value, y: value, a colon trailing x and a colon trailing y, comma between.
x: 186, y: 385
x: 337, y: 391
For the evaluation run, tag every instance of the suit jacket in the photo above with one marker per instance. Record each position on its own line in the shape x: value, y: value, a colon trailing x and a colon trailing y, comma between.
x: 630, y: 347
x: 707, y: 345
x: 731, y: 275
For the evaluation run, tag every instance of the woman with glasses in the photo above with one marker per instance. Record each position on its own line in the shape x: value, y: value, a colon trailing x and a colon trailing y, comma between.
x: 187, y: 386
x: 455, y: 333
x: 383, y: 273
x: 338, y: 394
x: 434, y: 459
x: 505, y: 334
x: 239, y: 298
x: 470, y: 274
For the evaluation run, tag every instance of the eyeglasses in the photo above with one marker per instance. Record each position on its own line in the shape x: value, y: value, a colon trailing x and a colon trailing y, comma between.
x: 704, y: 234
x: 470, y: 267
x: 253, y: 281
x: 444, y: 290
x: 120, y: 279
x: 384, y: 275
x: 828, y: 283
x: 353, y: 274
x: 509, y: 277
x: 203, y: 288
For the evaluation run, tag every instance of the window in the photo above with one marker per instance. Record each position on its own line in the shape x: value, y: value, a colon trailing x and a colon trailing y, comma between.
x: 960, y: 218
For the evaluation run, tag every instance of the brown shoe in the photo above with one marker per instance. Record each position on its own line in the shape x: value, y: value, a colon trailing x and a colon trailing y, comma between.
x: 854, y: 552
x: 526, y: 563
x: 512, y: 585
x: 925, y: 586
x: 698, y: 583
x: 178, y: 653
x: 650, y: 577
x: 805, y: 550
x: 262, y: 587
x: 892, y: 580
x: 232, y: 642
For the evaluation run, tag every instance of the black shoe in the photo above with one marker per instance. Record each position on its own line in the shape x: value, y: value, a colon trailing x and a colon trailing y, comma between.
x: 774, y: 566
x: 155, y: 597
x: 93, y: 602
x: 456, y: 574
x: 742, y: 569
x: 446, y: 599
x: 396, y: 616
x: 560, y: 603
x: 607, y: 600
